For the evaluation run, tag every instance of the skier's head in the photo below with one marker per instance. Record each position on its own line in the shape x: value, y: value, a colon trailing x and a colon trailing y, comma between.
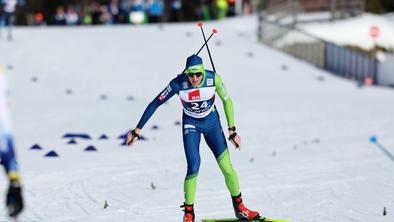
x: 194, y: 70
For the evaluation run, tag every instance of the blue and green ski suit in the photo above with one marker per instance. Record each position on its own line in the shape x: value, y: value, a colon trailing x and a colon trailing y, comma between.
x: 200, y: 116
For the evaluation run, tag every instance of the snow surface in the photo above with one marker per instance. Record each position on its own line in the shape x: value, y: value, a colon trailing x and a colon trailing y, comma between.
x: 306, y: 153
x: 355, y: 31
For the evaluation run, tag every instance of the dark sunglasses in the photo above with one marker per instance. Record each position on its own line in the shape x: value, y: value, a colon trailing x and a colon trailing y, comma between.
x: 197, y: 74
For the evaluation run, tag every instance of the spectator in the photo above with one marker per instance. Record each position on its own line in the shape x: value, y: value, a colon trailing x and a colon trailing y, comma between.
x: 105, y: 17
x: 38, y: 19
x: 198, y: 10
x: 246, y: 8
x: 206, y: 9
x: 175, y: 8
x: 156, y: 10
x: 211, y: 6
x: 72, y: 18
x: 8, y: 17
x: 95, y: 13
x: 137, y: 14
x: 86, y: 17
x: 113, y: 9
x: 222, y: 7
x: 60, y: 17
x: 231, y: 8
x: 125, y: 8
x: 254, y: 5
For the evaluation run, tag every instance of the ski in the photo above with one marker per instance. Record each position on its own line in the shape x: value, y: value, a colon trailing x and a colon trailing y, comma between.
x: 242, y: 220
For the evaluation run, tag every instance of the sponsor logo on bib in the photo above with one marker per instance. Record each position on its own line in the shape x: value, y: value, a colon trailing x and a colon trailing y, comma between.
x: 194, y: 95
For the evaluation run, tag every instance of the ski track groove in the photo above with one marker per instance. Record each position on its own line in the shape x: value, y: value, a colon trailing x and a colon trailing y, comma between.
x: 87, y: 193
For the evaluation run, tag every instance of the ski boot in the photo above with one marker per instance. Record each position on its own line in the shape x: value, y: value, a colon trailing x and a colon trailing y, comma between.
x: 189, y: 213
x: 241, y: 212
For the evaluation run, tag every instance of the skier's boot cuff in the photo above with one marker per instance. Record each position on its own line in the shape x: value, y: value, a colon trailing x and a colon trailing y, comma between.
x: 189, y: 213
x: 241, y: 211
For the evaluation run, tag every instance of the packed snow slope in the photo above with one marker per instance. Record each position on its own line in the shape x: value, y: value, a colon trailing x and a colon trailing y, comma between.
x: 305, y: 157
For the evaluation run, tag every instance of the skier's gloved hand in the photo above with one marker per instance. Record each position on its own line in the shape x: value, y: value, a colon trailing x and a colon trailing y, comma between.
x: 234, y: 138
x: 14, y: 200
x: 132, y: 136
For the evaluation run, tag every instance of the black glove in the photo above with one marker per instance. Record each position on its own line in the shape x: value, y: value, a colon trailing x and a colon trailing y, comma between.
x: 14, y: 200
x: 134, y: 136
x: 233, y: 136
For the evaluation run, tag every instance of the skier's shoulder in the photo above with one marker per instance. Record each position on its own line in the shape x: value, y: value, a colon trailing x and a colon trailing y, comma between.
x: 176, y: 82
x: 211, y: 74
x: 179, y: 78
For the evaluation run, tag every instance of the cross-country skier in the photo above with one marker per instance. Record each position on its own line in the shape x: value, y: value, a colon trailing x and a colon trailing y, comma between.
x: 8, y: 17
x: 196, y: 89
x: 14, y: 201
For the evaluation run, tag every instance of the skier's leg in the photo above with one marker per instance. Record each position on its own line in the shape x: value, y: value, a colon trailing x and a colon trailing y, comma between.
x: 215, y: 140
x: 191, y: 143
x: 217, y: 143
x: 229, y: 173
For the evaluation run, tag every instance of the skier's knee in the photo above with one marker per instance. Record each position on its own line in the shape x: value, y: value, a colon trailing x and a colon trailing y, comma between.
x: 191, y: 170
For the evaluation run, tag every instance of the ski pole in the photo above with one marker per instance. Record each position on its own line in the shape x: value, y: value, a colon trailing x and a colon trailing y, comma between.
x: 214, y: 31
x: 374, y: 140
x: 209, y: 52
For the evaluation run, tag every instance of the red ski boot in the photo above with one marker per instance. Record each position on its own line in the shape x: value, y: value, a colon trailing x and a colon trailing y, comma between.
x: 241, y: 211
x: 189, y: 213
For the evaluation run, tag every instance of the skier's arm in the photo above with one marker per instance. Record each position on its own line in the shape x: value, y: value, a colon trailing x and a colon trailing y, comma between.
x: 228, y: 109
x: 227, y: 102
x: 165, y: 95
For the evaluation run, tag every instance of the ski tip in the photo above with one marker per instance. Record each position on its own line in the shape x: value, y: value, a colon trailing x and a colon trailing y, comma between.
x: 199, y: 24
x: 215, y: 31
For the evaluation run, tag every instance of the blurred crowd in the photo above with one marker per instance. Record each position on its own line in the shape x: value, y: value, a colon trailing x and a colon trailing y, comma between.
x: 108, y: 12
x: 113, y: 12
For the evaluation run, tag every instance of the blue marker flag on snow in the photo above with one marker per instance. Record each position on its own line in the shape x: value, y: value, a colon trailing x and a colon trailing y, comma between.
x: 90, y: 148
x: 77, y: 135
x: 103, y: 137
x: 36, y: 147
x: 72, y: 141
x: 123, y: 136
x: 51, y: 154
